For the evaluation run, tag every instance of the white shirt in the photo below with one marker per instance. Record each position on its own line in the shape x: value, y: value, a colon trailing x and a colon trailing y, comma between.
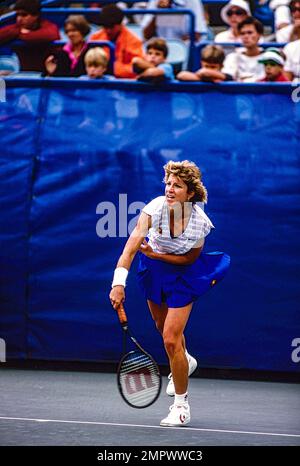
x: 292, y: 53
x: 242, y: 67
x: 175, y: 26
x: 226, y: 36
x: 284, y: 34
x: 160, y: 240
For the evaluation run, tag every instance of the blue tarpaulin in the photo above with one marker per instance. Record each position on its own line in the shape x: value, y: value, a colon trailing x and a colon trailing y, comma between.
x: 74, y: 156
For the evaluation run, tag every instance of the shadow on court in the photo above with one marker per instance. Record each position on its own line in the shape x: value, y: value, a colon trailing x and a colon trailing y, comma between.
x: 75, y: 408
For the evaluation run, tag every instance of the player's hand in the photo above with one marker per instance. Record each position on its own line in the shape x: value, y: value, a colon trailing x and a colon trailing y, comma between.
x: 117, y: 296
x: 146, y: 249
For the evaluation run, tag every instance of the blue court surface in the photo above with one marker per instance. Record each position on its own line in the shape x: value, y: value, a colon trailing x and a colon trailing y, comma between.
x: 71, y: 408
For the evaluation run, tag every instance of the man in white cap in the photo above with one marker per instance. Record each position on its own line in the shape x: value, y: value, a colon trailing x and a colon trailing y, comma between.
x: 233, y: 13
x: 273, y: 61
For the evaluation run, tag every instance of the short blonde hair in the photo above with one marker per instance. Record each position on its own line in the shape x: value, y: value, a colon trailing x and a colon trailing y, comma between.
x: 96, y: 56
x: 213, y: 54
x: 191, y: 175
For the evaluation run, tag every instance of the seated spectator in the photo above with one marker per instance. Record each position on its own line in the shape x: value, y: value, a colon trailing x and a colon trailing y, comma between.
x: 154, y: 67
x: 273, y: 62
x: 96, y: 63
x: 70, y: 60
x: 243, y: 64
x: 127, y: 44
x: 174, y: 26
x: 292, y: 31
x: 212, y: 59
x: 292, y: 63
x: 34, y: 31
x: 282, y: 15
x: 233, y: 13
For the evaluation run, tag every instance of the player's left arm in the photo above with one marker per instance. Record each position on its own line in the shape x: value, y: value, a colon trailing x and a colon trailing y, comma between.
x: 176, y: 259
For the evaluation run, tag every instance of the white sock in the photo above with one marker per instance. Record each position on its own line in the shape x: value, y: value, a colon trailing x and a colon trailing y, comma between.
x: 181, y: 399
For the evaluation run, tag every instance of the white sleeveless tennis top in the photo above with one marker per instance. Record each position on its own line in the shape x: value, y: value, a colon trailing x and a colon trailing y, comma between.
x: 160, y: 240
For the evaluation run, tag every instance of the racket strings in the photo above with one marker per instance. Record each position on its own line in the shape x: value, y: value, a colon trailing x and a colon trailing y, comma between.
x: 139, y: 379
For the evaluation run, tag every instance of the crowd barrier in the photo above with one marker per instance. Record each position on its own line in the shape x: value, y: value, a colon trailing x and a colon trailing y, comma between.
x: 78, y: 161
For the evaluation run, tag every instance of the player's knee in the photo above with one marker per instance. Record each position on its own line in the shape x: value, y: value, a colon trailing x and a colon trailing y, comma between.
x: 171, y: 344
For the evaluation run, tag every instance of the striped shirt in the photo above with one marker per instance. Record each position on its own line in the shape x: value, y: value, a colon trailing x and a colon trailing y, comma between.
x: 159, y: 235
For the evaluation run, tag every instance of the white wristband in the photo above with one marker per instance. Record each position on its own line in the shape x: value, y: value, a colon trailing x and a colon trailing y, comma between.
x: 120, y: 276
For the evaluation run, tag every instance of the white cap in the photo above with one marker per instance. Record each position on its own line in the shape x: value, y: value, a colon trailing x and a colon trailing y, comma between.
x: 238, y: 3
x: 271, y: 55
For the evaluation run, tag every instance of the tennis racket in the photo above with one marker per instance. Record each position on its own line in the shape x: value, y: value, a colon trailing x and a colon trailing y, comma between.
x: 139, y: 378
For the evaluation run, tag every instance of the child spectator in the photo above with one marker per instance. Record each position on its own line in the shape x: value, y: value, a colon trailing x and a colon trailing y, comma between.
x: 243, y: 64
x: 233, y: 13
x: 127, y: 44
x: 96, y: 62
x: 212, y: 58
x: 69, y: 62
x: 273, y: 62
x: 154, y: 67
x: 37, y: 33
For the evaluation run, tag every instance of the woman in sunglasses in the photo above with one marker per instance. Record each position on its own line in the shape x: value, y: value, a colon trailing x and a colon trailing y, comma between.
x: 233, y: 13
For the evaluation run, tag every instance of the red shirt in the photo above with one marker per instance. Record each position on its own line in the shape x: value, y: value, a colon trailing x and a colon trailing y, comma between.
x: 280, y: 79
x: 36, y: 43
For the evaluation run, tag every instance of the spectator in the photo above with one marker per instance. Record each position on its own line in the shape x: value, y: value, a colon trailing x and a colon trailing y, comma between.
x: 212, y: 59
x: 292, y: 63
x: 154, y: 68
x: 233, y: 13
x: 243, y: 64
x: 174, y: 26
x: 37, y: 33
x: 273, y: 62
x: 292, y: 31
x: 127, y: 44
x: 282, y: 15
x: 70, y: 60
x: 96, y: 62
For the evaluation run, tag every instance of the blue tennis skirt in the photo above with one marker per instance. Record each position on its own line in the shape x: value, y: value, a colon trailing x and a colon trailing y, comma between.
x: 179, y: 285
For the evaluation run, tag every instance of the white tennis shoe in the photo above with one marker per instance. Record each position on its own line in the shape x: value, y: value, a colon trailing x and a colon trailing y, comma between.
x: 170, y: 390
x: 178, y: 416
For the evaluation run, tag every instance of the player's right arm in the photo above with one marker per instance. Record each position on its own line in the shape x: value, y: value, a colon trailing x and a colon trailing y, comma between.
x: 117, y: 294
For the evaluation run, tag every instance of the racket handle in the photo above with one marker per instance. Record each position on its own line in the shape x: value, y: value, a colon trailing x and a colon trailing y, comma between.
x: 122, y: 316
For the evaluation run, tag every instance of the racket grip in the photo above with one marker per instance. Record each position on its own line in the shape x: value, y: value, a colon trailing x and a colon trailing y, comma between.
x: 122, y: 315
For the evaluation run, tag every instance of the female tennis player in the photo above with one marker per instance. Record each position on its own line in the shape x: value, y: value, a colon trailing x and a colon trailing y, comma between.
x: 172, y: 271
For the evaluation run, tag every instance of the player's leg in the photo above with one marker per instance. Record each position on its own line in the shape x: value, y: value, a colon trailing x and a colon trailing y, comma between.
x: 174, y: 326
x: 159, y: 314
x: 174, y: 342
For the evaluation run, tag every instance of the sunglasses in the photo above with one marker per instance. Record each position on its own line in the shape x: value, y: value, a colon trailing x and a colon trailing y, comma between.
x: 294, y: 9
x: 235, y: 12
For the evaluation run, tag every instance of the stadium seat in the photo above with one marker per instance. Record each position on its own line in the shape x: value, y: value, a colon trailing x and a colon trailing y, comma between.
x: 178, y: 54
